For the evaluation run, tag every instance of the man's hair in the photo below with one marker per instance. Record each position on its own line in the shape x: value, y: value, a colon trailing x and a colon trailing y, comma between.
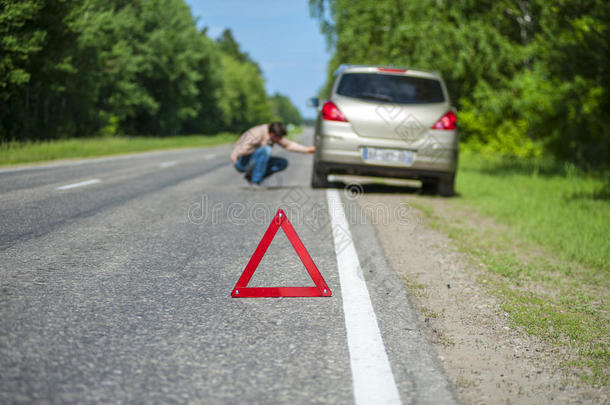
x: 277, y: 128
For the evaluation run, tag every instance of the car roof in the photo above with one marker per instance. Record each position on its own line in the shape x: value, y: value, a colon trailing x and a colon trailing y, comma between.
x: 376, y: 69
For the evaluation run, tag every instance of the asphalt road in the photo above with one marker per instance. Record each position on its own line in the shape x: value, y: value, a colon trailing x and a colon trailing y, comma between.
x: 115, y: 282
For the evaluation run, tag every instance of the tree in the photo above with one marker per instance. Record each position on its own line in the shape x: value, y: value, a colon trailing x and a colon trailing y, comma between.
x: 527, y: 76
x: 283, y: 110
x: 103, y: 67
x: 229, y: 45
x: 244, y: 102
x: 110, y: 57
x: 36, y: 66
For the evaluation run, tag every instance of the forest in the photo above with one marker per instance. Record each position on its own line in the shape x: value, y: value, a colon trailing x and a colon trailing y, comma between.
x: 529, y: 78
x: 86, y: 68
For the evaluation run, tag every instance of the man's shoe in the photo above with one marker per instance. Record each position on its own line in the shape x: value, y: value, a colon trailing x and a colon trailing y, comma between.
x: 248, y: 177
x: 256, y: 186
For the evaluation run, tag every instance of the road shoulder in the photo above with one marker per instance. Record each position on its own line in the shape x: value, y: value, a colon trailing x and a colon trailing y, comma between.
x: 417, y: 372
x: 486, y: 359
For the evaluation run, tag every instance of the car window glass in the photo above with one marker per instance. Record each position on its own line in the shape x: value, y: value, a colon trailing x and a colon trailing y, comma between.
x: 391, y: 88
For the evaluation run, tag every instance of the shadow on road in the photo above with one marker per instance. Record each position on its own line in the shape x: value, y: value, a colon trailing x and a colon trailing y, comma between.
x: 363, y: 185
x: 376, y: 188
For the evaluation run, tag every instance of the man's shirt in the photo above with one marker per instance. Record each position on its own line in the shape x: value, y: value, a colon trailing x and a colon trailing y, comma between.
x: 259, y: 136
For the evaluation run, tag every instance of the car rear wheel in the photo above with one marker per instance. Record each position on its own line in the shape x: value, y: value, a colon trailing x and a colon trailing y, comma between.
x: 318, y: 177
x: 442, y: 186
x: 445, y: 185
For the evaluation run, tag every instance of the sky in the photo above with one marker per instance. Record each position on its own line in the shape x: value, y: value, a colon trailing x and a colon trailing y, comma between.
x: 278, y: 34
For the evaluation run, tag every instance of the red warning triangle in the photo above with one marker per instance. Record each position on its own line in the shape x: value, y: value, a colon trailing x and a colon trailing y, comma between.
x: 241, y: 289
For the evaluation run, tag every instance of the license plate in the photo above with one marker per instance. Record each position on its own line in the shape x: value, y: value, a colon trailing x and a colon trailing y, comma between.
x: 404, y: 157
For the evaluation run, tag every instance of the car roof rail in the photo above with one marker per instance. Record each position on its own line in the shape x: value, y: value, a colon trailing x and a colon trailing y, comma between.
x: 344, y: 66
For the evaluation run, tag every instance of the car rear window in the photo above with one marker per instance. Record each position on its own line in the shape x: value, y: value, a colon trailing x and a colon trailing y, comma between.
x: 391, y: 88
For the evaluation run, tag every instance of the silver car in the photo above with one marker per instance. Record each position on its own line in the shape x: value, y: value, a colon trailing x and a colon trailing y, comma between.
x: 387, y: 122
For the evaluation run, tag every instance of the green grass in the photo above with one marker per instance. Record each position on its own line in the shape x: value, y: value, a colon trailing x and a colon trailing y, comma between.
x: 547, y: 259
x: 556, y: 207
x: 29, y: 152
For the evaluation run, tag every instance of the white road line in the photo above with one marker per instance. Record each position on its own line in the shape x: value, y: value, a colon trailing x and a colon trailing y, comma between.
x: 81, y: 184
x: 167, y: 164
x: 373, y: 381
x: 210, y: 156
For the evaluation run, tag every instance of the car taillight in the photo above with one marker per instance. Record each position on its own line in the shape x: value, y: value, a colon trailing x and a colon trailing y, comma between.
x: 447, y: 121
x: 330, y: 112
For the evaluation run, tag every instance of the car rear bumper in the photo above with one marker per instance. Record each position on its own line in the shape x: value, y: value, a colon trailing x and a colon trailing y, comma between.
x: 339, y: 149
x: 382, y: 171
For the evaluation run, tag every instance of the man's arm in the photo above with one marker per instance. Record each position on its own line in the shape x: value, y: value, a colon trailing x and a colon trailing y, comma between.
x: 296, y: 147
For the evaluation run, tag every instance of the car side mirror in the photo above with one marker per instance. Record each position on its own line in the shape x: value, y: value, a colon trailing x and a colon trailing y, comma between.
x: 313, y: 102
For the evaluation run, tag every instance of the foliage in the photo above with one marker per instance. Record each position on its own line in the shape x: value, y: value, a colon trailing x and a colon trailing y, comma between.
x: 528, y: 77
x: 82, y: 68
x: 230, y: 46
x: 244, y: 101
x: 36, y: 64
x: 283, y: 110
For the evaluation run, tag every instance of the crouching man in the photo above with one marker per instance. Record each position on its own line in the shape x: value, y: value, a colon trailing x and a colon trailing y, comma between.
x: 252, y: 152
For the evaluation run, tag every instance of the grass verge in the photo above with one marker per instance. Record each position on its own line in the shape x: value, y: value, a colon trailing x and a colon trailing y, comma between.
x: 545, y: 253
x: 29, y: 152
x: 557, y: 207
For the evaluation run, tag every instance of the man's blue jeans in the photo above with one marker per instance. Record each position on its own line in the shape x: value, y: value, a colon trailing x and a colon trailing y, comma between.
x: 260, y: 164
